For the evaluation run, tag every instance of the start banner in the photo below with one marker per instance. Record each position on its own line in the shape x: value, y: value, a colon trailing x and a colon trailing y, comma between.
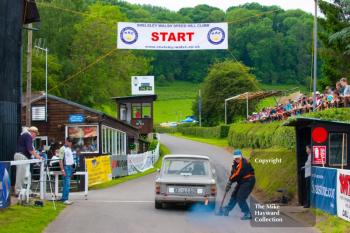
x: 5, y: 184
x: 99, y: 169
x: 343, y: 194
x: 323, y: 189
x: 168, y: 36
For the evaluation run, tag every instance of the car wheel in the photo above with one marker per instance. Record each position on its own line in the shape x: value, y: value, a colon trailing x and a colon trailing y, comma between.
x: 158, y: 205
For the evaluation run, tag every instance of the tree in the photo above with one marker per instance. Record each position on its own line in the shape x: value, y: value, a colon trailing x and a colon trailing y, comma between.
x: 224, y: 80
x: 95, y: 36
x: 334, y: 56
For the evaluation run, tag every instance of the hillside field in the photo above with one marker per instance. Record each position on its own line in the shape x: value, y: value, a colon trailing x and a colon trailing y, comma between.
x: 175, y: 100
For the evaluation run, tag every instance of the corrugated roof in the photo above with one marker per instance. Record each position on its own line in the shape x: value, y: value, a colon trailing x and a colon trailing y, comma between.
x: 304, y: 121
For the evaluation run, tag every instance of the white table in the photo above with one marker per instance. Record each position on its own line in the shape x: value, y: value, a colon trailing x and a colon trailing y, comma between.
x: 85, y: 192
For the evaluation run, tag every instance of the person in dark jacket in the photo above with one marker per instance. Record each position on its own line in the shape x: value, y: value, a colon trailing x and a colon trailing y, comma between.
x: 243, y: 173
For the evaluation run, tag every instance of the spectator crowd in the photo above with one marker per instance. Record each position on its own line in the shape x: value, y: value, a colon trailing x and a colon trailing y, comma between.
x: 330, y: 98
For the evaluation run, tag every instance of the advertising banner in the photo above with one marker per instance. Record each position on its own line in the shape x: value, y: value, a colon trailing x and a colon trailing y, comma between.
x: 140, y: 162
x: 168, y: 36
x: 5, y: 184
x: 343, y: 194
x: 142, y: 85
x: 320, y: 155
x: 99, y: 169
x: 323, y: 189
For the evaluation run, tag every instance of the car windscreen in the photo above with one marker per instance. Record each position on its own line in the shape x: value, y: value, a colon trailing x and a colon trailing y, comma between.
x: 189, y: 167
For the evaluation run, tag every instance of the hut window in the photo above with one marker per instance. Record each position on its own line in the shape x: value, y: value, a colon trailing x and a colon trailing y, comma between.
x: 136, y: 111
x: 146, y: 110
x: 85, y: 137
x: 338, y: 149
x: 113, y: 141
x: 38, y: 113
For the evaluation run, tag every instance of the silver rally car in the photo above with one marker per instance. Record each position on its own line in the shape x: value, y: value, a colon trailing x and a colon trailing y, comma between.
x: 185, y: 179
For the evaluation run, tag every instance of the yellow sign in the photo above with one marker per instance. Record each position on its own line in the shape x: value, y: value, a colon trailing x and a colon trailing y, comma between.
x: 99, y: 169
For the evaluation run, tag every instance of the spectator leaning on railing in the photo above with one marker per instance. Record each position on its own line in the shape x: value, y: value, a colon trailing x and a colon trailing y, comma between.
x: 25, y: 151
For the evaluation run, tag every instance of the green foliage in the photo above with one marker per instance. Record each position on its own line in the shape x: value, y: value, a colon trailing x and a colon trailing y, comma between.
x: 334, y: 114
x: 29, y: 219
x: 153, y: 145
x: 334, y: 59
x: 276, y: 45
x: 220, y: 131
x: 258, y: 135
x: 224, y: 79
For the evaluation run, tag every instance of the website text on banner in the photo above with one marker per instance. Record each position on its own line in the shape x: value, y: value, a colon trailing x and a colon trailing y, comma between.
x: 323, y: 189
x: 99, y: 169
x: 343, y: 194
x: 5, y: 184
x: 166, y: 36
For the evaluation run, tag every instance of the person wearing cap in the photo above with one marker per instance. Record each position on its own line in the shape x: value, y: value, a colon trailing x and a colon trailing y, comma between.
x: 25, y: 151
x: 66, y: 164
x: 243, y: 173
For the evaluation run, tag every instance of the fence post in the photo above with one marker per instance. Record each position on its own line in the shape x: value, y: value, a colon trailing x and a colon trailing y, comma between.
x: 42, y: 181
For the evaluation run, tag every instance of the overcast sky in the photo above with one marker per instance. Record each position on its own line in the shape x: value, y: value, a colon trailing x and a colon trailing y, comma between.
x: 175, y: 5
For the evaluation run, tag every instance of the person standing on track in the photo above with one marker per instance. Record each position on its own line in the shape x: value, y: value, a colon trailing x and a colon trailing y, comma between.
x: 243, y: 173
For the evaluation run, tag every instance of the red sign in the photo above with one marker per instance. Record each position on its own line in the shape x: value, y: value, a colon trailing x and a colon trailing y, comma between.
x: 319, y: 134
x: 320, y: 154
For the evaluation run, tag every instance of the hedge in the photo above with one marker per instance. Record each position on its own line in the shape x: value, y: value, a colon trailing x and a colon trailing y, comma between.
x: 258, y: 135
x: 220, y: 131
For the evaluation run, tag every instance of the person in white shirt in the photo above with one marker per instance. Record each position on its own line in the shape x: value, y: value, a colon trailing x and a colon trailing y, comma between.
x: 307, y: 169
x: 66, y: 164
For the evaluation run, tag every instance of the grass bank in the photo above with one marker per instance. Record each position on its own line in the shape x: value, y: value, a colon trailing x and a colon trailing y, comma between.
x: 328, y: 223
x: 163, y: 151
x: 222, y: 142
x: 29, y: 219
x: 174, y: 101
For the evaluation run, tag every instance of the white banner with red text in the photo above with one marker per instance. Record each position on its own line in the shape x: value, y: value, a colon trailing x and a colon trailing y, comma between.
x: 169, y: 36
x: 343, y: 194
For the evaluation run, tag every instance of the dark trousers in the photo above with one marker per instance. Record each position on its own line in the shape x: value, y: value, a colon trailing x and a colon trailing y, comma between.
x: 240, y: 195
x: 307, y: 192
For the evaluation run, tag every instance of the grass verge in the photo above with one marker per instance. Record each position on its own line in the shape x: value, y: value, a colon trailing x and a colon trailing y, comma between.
x: 163, y: 151
x: 221, y: 142
x: 29, y: 219
x: 328, y: 223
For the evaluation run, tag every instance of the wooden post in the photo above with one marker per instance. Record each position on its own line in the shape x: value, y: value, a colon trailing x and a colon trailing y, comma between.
x: 29, y: 75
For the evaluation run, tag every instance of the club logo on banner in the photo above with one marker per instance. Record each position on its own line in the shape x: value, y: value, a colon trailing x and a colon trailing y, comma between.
x: 323, y: 189
x: 167, y: 36
x: 129, y: 35
x: 216, y: 35
x: 5, y: 185
x: 343, y: 194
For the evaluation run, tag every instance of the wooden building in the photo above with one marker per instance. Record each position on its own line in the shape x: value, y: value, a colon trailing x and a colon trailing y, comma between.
x: 137, y: 111
x: 93, y: 132
x: 329, y: 141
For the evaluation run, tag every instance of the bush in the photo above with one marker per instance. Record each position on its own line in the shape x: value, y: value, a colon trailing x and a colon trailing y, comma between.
x: 258, y: 135
x: 220, y: 131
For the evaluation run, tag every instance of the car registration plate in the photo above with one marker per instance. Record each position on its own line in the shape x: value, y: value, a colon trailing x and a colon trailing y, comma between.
x: 186, y: 190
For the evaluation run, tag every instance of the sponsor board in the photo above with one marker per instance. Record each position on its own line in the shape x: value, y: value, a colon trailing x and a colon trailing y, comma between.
x: 323, y: 189
x: 142, y: 85
x: 99, y: 169
x: 5, y: 184
x: 343, y: 194
x: 167, y: 36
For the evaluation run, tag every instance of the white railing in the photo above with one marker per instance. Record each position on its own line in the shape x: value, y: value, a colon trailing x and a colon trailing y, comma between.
x: 143, y: 161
